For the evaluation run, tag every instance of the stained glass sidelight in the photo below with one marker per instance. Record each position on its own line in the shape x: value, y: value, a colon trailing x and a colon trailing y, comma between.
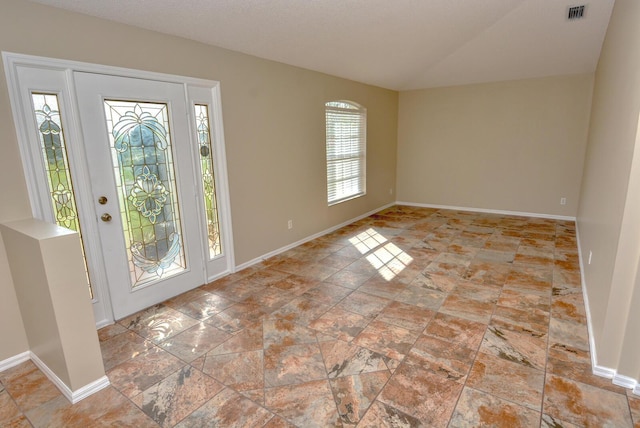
x: 145, y: 179
x: 54, y: 153
x: 208, y: 179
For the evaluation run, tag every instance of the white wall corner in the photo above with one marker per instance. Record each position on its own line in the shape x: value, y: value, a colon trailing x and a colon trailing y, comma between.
x: 597, y: 369
x: 72, y: 396
x: 14, y: 361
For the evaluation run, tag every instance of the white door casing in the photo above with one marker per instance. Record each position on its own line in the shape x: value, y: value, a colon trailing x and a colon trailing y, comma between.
x: 82, y: 89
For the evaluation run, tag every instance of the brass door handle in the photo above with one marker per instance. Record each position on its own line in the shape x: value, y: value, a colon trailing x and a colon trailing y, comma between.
x: 106, y: 217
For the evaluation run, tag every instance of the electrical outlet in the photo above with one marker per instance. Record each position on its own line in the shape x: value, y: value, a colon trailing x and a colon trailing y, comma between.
x: 290, y: 224
x: 391, y: 191
x: 563, y: 201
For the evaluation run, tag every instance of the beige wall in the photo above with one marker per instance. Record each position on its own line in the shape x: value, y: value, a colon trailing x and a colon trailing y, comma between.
x: 515, y: 146
x: 273, y: 119
x: 12, y: 332
x: 610, y: 199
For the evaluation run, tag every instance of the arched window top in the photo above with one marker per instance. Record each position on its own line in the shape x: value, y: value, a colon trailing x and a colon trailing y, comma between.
x: 344, y: 104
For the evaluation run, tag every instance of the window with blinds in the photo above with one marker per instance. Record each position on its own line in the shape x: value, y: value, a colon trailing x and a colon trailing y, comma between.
x: 346, y: 124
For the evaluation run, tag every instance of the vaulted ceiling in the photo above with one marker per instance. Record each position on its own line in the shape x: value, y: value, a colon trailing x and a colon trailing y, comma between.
x: 396, y: 44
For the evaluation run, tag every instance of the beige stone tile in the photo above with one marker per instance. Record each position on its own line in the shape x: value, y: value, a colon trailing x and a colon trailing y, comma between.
x: 227, y: 409
x: 345, y: 359
x: 456, y: 330
x: 476, y: 408
x: 381, y: 415
x: 507, y: 380
x: 411, y: 390
x: 341, y: 324
x: 194, y: 342
x: 354, y: 394
x: 295, y: 364
x: 522, y: 347
x: 309, y: 404
x: 584, y: 405
x: 243, y: 371
x: 387, y: 339
x: 175, y: 397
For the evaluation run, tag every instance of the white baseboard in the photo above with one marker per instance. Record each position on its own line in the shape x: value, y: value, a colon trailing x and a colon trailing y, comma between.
x: 14, y: 361
x: 218, y: 276
x: 89, y: 389
x: 605, y: 372
x: 103, y: 323
x: 598, y: 370
x: 624, y: 381
x: 309, y: 238
x: 488, y: 211
x: 72, y: 396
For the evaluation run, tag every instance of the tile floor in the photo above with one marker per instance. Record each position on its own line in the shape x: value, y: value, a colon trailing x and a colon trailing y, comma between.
x: 411, y: 317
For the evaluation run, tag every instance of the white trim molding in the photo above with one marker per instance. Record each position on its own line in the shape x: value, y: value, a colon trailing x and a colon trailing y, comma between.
x: 14, y: 361
x: 309, y: 238
x: 624, y: 381
x: 595, y: 368
x: 72, y: 396
x: 488, y: 211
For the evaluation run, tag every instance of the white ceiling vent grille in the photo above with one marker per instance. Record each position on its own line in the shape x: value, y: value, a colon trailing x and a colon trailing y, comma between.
x: 575, y: 12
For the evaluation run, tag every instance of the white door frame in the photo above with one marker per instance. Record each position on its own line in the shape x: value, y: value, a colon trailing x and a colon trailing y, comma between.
x: 32, y: 160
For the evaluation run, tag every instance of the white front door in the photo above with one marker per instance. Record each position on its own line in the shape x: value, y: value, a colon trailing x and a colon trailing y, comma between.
x: 138, y: 146
x: 146, y: 157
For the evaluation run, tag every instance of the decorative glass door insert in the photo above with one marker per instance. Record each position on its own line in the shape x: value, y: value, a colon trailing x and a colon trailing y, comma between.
x: 141, y: 155
x: 208, y: 179
x: 56, y: 165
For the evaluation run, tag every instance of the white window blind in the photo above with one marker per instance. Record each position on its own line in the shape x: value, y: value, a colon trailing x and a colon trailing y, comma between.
x: 346, y: 124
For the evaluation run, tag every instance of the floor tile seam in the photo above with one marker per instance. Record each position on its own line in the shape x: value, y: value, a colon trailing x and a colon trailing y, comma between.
x: 24, y: 411
x: 240, y: 393
x: 134, y: 405
x: 370, y: 319
x: 633, y: 421
x: 386, y: 403
x: 15, y: 403
x: 333, y: 393
x: 475, y: 356
x: 540, y: 371
x: 160, y: 381
x: 588, y: 386
x: 275, y: 412
x: 372, y: 401
x: 539, y: 410
x: 131, y: 399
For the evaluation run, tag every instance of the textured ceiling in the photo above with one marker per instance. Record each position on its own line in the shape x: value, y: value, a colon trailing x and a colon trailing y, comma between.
x: 396, y: 44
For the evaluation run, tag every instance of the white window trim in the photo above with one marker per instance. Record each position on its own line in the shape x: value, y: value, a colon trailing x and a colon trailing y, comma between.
x: 362, y: 157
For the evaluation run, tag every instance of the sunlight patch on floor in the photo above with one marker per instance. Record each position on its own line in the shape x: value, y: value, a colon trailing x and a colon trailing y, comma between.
x: 388, y: 259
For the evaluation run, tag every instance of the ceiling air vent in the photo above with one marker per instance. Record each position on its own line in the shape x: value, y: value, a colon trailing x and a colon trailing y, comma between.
x: 576, y: 12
